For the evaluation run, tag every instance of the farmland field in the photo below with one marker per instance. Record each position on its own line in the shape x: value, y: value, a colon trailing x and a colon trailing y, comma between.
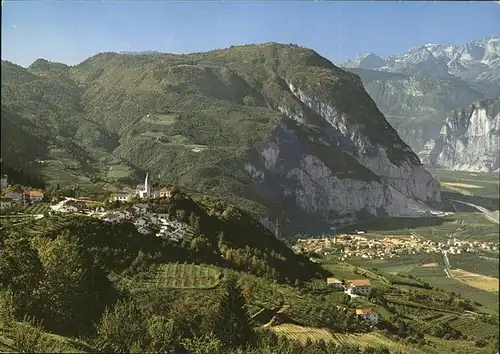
x: 473, y: 326
x: 473, y: 183
x: 480, y: 264
x: 463, y: 225
x: 437, y: 278
x: 15, y: 220
x: 403, y: 264
x: 475, y: 280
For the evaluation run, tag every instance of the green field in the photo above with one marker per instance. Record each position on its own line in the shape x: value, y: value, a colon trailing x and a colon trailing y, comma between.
x: 463, y: 225
x: 477, y: 183
x: 396, y: 265
x: 118, y: 171
x: 437, y: 278
x: 15, y: 220
x: 472, y: 326
x: 160, y: 119
x: 475, y: 263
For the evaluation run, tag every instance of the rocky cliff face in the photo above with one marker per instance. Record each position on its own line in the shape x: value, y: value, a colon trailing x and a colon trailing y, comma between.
x: 416, y: 106
x: 295, y: 173
x: 416, y: 90
x: 469, y: 139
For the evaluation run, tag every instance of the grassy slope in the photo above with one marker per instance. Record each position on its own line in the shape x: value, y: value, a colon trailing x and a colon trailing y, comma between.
x: 266, y: 298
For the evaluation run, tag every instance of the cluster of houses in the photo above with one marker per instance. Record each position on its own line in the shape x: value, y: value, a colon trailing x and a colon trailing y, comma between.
x: 139, y: 214
x: 359, y: 287
x: 17, y: 195
x: 347, y: 246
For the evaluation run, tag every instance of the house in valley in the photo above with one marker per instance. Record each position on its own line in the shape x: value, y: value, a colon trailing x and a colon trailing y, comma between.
x: 123, y: 197
x: 155, y: 193
x: 16, y: 194
x: 165, y: 193
x: 368, y: 315
x: 143, y: 230
x: 359, y: 286
x: 335, y: 283
x: 4, y: 181
x: 74, y: 206
x: 141, y: 222
x: 36, y: 196
x: 5, y: 203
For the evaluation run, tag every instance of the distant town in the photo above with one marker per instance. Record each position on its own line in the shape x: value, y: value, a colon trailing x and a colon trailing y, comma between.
x: 346, y: 246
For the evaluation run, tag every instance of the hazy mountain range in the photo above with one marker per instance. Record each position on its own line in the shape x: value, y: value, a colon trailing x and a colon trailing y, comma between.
x: 419, y: 89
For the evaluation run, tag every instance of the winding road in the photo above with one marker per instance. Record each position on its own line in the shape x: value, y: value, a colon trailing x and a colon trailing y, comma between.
x: 446, y: 263
x: 489, y: 214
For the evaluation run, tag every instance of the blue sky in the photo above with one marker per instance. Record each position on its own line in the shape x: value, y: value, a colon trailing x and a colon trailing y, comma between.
x: 71, y: 31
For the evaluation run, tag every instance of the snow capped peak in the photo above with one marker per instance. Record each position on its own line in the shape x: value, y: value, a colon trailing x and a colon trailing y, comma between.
x: 475, y: 60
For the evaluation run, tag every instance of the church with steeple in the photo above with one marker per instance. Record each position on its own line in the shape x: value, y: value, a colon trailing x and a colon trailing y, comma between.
x: 144, y: 190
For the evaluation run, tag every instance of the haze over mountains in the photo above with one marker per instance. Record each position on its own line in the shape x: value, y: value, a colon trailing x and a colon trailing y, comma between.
x: 418, y: 90
x: 275, y: 128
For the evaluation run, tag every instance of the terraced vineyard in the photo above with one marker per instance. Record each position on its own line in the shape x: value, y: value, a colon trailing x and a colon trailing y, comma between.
x: 39, y: 208
x: 14, y: 220
x: 181, y: 276
x: 473, y: 326
x: 373, y: 339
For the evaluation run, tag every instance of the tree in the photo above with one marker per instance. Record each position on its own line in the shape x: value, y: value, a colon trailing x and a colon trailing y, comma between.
x: 121, y: 328
x: 197, y: 226
x: 73, y: 292
x: 161, y: 334
x: 221, y: 242
x: 192, y: 219
x: 206, y: 343
x: 20, y: 270
x: 232, y: 322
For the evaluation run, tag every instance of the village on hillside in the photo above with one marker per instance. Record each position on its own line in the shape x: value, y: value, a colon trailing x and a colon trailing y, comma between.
x: 146, y: 221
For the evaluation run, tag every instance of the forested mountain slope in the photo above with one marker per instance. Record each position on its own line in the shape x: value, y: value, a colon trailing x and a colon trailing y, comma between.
x: 272, y: 127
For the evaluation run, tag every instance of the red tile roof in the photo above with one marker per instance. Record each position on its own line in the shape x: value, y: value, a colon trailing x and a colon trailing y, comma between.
x: 366, y: 312
x: 359, y: 282
x: 36, y: 194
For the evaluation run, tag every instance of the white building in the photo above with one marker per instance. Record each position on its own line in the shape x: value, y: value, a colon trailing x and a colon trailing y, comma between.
x: 5, y: 203
x: 359, y: 286
x: 140, y: 209
x: 141, y: 222
x: 143, y: 230
x: 369, y: 315
x: 4, y: 181
x: 123, y: 197
x: 334, y: 283
x: 144, y: 190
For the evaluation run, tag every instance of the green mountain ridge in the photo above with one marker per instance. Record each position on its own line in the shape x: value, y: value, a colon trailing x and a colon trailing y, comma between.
x: 201, y: 121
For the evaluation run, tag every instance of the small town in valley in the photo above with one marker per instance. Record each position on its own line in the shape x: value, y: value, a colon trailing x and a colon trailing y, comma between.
x: 345, y: 246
